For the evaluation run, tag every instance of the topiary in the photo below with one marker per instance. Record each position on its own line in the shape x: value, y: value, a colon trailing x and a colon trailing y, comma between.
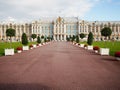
x: 90, y: 39
x: 24, y: 39
x: 38, y: 39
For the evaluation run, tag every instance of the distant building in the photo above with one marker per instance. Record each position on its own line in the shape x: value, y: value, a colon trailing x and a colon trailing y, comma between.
x: 60, y: 28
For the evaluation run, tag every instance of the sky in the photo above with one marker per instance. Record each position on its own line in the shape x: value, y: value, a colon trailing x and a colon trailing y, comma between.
x: 91, y: 10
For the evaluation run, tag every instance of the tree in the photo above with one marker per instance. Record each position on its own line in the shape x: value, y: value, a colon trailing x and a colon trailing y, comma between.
x: 68, y: 38
x: 106, y: 32
x: 42, y: 37
x: 82, y: 35
x: 77, y: 39
x: 45, y: 40
x: 24, y: 39
x: 48, y: 38
x: 33, y: 36
x: 10, y: 33
x: 38, y: 39
x: 73, y: 38
x: 90, y: 39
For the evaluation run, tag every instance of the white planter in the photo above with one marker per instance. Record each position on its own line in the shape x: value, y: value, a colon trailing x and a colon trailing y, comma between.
x: 104, y: 51
x: 9, y: 51
x: 40, y: 44
x: 117, y: 58
x: 90, y: 47
x: 85, y: 47
x: 43, y: 43
x: 96, y: 51
x: 34, y: 46
x: 76, y: 44
x: 81, y: 45
x: 25, y: 48
x: 31, y: 48
x: 19, y: 51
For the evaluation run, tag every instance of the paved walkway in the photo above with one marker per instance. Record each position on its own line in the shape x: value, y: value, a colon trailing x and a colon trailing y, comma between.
x: 59, y: 66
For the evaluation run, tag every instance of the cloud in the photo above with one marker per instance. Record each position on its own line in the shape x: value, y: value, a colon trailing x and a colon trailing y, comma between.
x: 23, y: 9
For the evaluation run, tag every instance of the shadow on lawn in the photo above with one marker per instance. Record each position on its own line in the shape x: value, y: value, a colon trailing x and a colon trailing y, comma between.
x: 24, y: 87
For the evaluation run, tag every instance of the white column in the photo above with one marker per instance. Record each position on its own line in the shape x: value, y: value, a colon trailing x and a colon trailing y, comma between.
x: 57, y: 37
x: 61, y: 37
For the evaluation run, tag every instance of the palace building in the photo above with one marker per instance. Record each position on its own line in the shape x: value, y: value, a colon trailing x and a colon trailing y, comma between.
x: 59, y: 28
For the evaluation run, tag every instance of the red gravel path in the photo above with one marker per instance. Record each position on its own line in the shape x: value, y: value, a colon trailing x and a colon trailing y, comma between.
x: 59, y: 66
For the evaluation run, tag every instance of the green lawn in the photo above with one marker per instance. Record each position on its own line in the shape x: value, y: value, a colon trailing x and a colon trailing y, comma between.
x: 114, y: 46
x: 4, y: 45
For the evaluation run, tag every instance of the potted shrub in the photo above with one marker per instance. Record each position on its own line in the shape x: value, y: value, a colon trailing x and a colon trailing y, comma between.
x: 96, y: 49
x: 117, y: 55
x: 19, y: 49
x: 42, y: 37
x: 90, y: 41
x: 77, y: 40
x: 31, y: 46
x: 82, y: 35
x: 106, y: 32
x: 25, y: 42
x: 85, y: 46
x: 33, y: 36
x: 39, y: 40
x: 10, y: 33
x: 73, y: 38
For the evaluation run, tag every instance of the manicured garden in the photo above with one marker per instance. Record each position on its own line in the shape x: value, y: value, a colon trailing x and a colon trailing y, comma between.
x: 114, y: 46
x: 14, y: 45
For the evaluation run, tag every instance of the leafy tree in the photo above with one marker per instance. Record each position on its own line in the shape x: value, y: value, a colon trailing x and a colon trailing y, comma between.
x: 42, y: 37
x: 90, y: 39
x: 10, y: 33
x: 82, y: 35
x: 24, y: 39
x: 45, y: 40
x: 49, y: 38
x: 33, y: 36
x: 77, y: 39
x: 68, y: 38
x: 106, y: 32
x: 73, y: 38
x: 38, y: 39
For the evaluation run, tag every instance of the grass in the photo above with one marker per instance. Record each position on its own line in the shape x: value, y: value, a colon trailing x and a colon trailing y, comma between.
x: 113, y: 46
x: 4, y: 45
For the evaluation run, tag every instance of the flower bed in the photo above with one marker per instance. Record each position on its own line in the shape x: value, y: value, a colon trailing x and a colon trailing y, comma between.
x: 19, y: 48
x: 31, y: 46
x: 95, y: 48
x: 117, y: 55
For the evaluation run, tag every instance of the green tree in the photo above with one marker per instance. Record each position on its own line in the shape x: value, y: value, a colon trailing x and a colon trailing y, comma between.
x: 38, y: 39
x: 33, y: 36
x: 48, y: 38
x: 82, y: 35
x: 77, y: 39
x: 45, y: 40
x: 106, y: 32
x: 68, y: 38
x: 10, y: 33
x: 24, y: 39
x: 73, y: 38
x: 42, y: 37
x: 90, y: 39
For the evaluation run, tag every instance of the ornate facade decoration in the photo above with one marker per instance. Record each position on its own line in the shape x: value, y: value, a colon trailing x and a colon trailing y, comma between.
x: 60, y: 28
